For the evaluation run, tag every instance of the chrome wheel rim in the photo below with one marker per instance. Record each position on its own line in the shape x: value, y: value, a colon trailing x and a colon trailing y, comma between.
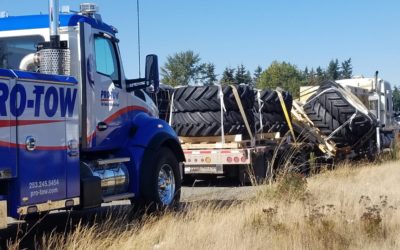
x: 166, y: 184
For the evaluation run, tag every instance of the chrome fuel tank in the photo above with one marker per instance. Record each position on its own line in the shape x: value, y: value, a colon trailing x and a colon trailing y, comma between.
x: 114, y: 175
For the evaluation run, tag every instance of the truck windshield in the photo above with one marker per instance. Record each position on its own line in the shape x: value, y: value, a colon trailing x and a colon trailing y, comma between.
x: 14, y: 49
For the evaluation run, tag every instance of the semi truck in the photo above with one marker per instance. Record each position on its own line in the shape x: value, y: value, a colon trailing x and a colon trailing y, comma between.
x: 358, y: 108
x: 74, y: 131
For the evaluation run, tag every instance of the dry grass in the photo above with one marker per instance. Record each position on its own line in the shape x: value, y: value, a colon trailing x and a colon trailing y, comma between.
x: 348, y: 208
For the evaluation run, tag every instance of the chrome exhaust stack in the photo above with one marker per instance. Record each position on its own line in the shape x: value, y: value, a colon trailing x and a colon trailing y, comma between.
x: 54, y: 56
x: 54, y: 23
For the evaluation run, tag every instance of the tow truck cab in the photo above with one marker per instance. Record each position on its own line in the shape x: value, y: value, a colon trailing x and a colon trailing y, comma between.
x: 82, y: 135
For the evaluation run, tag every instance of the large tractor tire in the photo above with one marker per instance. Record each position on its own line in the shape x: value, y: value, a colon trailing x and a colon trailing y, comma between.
x: 329, y: 109
x: 206, y: 98
x: 273, y: 117
x: 271, y: 103
x: 342, y: 110
x: 271, y: 123
x: 209, y: 123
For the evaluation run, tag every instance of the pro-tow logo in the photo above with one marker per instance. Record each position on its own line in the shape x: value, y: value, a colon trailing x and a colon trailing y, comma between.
x: 109, y: 98
x: 41, y: 100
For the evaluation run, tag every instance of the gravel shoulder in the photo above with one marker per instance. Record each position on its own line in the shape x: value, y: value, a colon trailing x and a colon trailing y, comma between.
x: 215, y: 190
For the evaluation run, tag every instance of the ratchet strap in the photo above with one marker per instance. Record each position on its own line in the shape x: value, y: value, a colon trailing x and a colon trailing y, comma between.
x: 240, y: 105
x: 171, y: 108
x: 286, y: 113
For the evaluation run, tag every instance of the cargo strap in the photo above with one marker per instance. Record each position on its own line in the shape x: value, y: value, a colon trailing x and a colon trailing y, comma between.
x: 260, y: 106
x: 318, y: 95
x: 240, y: 105
x: 286, y: 113
x: 171, y: 109
x: 342, y: 126
x: 223, y: 110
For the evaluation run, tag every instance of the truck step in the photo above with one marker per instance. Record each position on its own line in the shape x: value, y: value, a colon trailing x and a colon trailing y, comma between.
x: 112, y: 161
x: 118, y: 197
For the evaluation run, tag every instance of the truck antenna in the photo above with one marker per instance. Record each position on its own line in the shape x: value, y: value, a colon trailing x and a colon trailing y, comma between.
x: 138, y: 36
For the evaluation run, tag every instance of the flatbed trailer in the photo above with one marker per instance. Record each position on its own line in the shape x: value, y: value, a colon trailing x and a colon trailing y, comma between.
x: 233, y: 157
x: 253, y: 159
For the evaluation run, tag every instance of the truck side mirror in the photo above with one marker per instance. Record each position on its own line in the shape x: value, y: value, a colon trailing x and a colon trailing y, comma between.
x: 151, y: 74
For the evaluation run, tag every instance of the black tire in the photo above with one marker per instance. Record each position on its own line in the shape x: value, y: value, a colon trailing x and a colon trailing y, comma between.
x: 324, y: 121
x: 149, y: 183
x: 271, y: 102
x: 260, y: 168
x: 258, y: 172
x: 329, y: 110
x: 209, y: 123
x: 301, y: 163
x: 272, y: 113
x: 341, y: 110
x: 206, y: 98
x: 272, y: 122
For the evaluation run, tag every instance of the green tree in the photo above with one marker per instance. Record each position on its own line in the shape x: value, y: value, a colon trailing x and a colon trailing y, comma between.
x: 306, y: 73
x: 284, y: 75
x: 321, y: 74
x: 242, y: 75
x: 207, y: 74
x: 256, y: 75
x: 228, y: 76
x: 396, y: 99
x: 333, y: 71
x: 314, y: 78
x: 347, y: 69
x: 181, y: 68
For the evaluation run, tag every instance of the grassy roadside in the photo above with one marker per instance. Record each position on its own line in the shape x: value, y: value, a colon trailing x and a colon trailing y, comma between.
x: 348, y: 208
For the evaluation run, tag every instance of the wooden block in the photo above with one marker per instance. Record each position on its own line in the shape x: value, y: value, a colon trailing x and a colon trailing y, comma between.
x: 210, y: 139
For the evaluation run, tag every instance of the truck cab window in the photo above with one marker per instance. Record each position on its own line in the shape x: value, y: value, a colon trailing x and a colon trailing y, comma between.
x: 107, y: 60
x: 14, y: 49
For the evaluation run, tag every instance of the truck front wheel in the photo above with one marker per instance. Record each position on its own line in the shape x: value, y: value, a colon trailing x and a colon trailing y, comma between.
x: 161, y: 183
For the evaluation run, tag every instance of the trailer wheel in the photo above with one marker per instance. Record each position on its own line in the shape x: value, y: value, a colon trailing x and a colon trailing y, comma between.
x: 258, y: 172
x: 161, y: 183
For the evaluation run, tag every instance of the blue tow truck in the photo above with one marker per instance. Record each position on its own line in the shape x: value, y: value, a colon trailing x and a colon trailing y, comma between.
x: 74, y: 132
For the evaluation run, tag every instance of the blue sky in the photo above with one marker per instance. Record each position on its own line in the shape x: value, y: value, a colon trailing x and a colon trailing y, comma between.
x: 228, y: 33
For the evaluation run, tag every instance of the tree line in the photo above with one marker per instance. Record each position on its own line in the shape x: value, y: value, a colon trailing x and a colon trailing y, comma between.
x: 186, y: 68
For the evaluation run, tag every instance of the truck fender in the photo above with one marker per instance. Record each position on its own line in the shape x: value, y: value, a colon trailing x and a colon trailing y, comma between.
x: 149, y: 135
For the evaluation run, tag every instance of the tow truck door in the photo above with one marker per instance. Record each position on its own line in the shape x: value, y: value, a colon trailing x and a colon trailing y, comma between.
x: 103, y: 86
